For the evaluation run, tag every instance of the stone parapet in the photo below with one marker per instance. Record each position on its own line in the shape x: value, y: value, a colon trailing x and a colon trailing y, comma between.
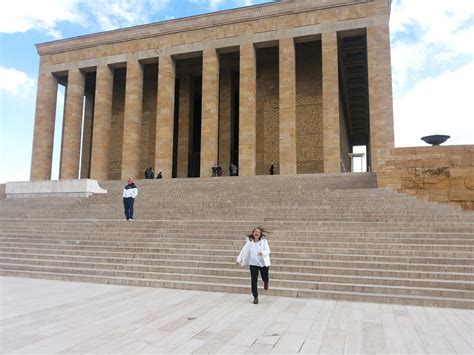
x: 56, y: 188
x: 439, y: 174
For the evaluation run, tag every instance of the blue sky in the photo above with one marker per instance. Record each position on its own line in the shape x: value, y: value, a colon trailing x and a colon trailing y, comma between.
x: 432, y: 63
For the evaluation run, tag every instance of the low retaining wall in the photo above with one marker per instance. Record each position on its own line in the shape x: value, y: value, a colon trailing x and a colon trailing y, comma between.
x: 56, y: 188
x: 439, y: 173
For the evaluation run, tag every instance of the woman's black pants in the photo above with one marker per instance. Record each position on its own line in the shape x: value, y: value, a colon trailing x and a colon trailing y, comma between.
x: 254, y: 275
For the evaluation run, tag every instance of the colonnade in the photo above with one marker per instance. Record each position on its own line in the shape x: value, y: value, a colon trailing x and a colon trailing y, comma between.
x: 102, y: 113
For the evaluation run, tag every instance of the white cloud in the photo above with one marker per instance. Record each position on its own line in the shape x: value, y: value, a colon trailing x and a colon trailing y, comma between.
x: 425, y: 44
x: 214, y: 5
x: 437, y: 19
x: 15, y: 82
x: 407, y: 58
x: 47, y: 15
x: 439, y: 105
x: 122, y: 13
x: 25, y: 15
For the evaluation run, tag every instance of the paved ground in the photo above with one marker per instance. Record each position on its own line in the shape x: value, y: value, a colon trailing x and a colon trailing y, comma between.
x: 41, y: 316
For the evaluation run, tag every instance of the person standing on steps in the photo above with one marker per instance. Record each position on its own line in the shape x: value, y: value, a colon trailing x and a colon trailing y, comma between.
x: 256, y: 254
x: 129, y: 194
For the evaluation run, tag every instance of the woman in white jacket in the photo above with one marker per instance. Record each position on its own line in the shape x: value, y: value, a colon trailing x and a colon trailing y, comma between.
x: 256, y: 254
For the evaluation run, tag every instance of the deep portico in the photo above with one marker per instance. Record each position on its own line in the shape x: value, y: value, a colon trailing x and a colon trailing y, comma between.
x: 297, y: 83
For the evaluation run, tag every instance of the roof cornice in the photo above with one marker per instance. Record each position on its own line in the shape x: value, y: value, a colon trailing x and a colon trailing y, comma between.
x: 219, y: 18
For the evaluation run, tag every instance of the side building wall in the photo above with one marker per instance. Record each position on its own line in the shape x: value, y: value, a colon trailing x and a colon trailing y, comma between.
x: 438, y: 174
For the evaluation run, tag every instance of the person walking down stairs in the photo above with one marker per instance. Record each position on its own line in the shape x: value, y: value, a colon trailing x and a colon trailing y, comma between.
x: 129, y: 194
x: 256, y: 254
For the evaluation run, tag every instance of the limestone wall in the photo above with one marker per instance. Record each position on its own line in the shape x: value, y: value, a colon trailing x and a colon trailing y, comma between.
x: 441, y: 174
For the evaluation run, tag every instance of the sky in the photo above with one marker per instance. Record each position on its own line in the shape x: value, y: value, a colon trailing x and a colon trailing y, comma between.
x: 432, y: 44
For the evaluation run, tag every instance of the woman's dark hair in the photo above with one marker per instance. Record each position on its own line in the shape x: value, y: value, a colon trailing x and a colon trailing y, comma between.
x: 263, y: 230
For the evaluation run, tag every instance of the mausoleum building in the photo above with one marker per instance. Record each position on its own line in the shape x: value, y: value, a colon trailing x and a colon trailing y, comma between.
x: 296, y: 83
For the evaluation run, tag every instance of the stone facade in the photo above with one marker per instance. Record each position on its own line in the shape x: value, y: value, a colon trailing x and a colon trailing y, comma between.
x: 439, y: 174
x: 250, y: 86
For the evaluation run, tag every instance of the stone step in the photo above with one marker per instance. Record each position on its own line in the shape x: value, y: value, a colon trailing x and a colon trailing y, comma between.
x: 232, y: 239
x: 248, y: 224
x: 307, y: 260
x: 356, y: 208
x: 237, y: 227
x: 332, y: 236
x: 462, y: 281
x: 143, y: 234
x: 401, y: 265
x: 391, y: 249
x: 423, y: 226
x: 293, y: 246
x: 244, y: 281
x: 343, y: 296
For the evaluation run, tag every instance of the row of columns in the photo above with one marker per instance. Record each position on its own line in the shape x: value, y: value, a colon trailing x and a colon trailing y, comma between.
x: 70, y: 153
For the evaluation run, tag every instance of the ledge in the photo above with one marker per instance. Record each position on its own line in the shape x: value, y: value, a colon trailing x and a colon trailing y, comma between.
x: 56, y: 188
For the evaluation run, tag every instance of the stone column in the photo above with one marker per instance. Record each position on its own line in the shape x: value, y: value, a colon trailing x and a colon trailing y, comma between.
x: 102, y: 123
x: 132, y: 121
x: 331, y: 130
x: 183, y: 125
x: 43, y: 138
x: 87, y: 137
x: 380, y: 93
x: 287, y: 109
x: 72, y: 126
x: 248, y: 111
x: 225, y: 119
x: 210, y: 111
x: 165, y: 117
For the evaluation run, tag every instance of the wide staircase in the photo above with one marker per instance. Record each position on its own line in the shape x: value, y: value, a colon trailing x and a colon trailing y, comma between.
x: 332, y: 236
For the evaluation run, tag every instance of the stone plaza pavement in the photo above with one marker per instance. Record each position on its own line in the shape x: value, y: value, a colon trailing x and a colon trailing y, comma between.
x: 42, y: 316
